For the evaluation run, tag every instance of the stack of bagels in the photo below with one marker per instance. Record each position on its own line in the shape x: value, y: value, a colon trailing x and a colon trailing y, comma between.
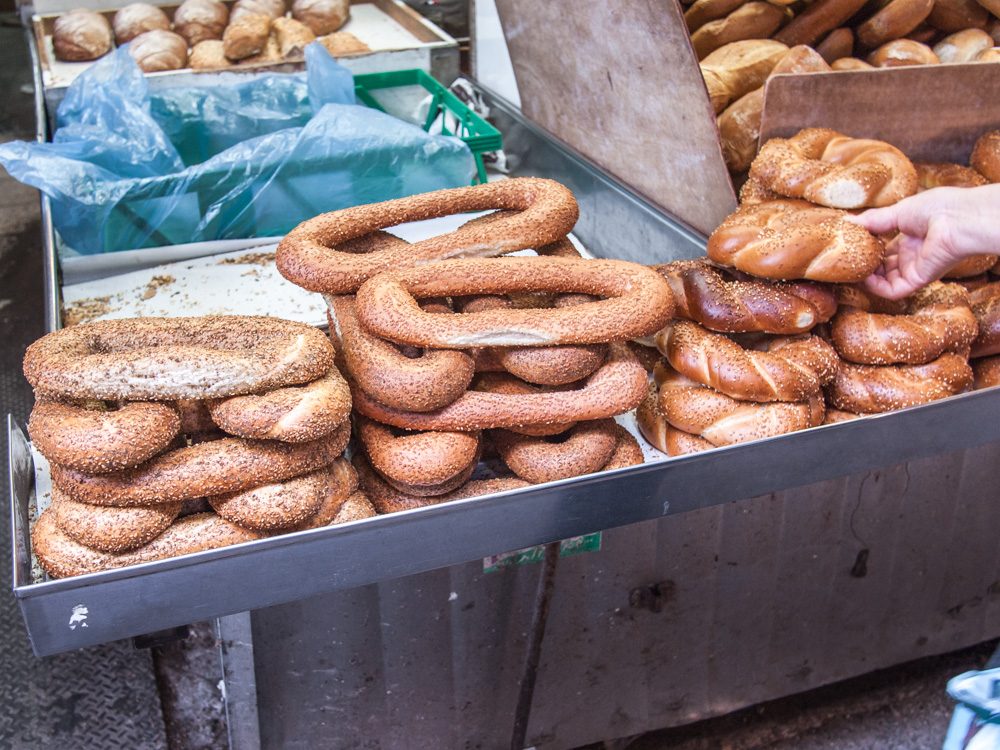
x: 167, y: 436
x: 775, y: 318
x: 454, y: 356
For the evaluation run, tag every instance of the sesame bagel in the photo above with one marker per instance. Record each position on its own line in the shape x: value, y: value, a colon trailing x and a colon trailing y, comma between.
x: 111, y: 529
x: 986, y: 372
x: 211, y: 468
x: 293, y: 414
x: 938, y: 318
x: 790, y: 239
x: 432, y: 379
x: 62, y: 556
x: 311, y: 255
x: 163, y: 359
x: 419, y: 463
x: 584, y: 449
x: 616, y: 387
x: 98, y: 441
x: 986, y: 307
x: 387, y: 499
x: 636, y: 301
x: 627, y: 452
x: 282, y: 505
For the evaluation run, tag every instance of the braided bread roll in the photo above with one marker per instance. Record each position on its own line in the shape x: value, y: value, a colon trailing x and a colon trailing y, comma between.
x: 786, y: 239
x: 704, y: 295
x: 793, y: 370
x: 868, y: 389
x: 986, y: 308
x: 692, y: 408
x: 831, y: 169
x: 938, y: 319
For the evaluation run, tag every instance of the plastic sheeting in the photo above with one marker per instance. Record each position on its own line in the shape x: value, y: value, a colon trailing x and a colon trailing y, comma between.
x: 130, y: 168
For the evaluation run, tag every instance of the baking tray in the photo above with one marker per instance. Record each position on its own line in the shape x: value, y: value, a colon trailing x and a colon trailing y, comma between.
x: 399, y: 38
x: 615, y: 222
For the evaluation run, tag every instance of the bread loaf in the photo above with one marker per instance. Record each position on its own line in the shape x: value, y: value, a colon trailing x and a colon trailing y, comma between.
x: 738, y: 68
x: 159, y: 50
x: 246, y: 36
x: 198, y: 20
x: 954, y: 15
x: 895, y: 20
x: 322, y: 16
x: 138, y: 18
x: 755, y: 20
x: 208, y: 55
x: 703, y: 11
x: 343, y: 44
x: 81, y: 35
x: 292, y: 36
x: 817, y: 20
x: 837, y: 44
x: 270, y: 8
x: 902, y: 52
x: 963, y: 46
x: 850, y: 63
x: 739, y: 125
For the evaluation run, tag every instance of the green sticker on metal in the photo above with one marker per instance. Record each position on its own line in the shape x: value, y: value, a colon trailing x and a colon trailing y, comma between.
x: 528, y: 555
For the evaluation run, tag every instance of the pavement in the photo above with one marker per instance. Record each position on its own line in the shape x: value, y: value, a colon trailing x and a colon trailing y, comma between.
x: 116, y: 696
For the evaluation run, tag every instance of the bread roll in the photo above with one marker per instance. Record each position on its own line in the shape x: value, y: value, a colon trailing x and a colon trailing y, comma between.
x: 292, y: 36
x: 985, y: 157
x: 817, y: 20
x: 895, y: 20
x: 902, y: 52
x: 246, y: 36
x: 850, y: 63
x: 925, y: 34
x: 738, y: 68
x: 963, y: 46
x: 343, y: 44
x: 270, y: 8
x: 755, y: 20
x: 703, y: 11
x: 158, y: 50
x: 739, y: 125
x: 198, y: 20
x: 322, y: 16
x: 270, y: 54
x: 955, y: 15
x: 991, y: 55
x: 208, y: 55
x: 837, y: 44
x: 138, y: 18
x: 81, y: 35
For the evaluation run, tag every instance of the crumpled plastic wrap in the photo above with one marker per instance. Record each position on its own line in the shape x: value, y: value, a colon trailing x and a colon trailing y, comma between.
x: 131, y: 168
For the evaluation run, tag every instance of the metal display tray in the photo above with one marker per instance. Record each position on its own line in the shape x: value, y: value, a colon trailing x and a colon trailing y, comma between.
x: 615, y: 222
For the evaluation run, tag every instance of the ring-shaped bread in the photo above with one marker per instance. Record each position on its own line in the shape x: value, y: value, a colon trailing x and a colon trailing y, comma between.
x: 160, y: 359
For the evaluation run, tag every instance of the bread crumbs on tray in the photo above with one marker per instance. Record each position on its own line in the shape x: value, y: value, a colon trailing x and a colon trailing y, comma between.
x: 259, y: 259
x: 85, y: 310
x: 154, y: 285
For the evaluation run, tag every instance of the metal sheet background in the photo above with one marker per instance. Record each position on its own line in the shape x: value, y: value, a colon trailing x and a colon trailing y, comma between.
x: 760, y: 598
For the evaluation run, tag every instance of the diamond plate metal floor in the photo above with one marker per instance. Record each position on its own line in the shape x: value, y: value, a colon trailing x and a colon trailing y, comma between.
x: 99, y: 698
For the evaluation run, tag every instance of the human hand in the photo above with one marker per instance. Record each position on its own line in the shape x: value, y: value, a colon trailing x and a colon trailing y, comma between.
x: 937, y: 228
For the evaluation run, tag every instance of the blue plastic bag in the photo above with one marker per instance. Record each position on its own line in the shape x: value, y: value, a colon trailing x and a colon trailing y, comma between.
x: 130, y: 168
x: 975, y: 724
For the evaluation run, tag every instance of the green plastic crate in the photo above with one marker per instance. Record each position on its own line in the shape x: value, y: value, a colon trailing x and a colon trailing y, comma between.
x: 478, y: 135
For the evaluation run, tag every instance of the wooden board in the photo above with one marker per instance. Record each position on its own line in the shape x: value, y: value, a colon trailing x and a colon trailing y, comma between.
x: 932, y: 113
x: 619, y: 82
